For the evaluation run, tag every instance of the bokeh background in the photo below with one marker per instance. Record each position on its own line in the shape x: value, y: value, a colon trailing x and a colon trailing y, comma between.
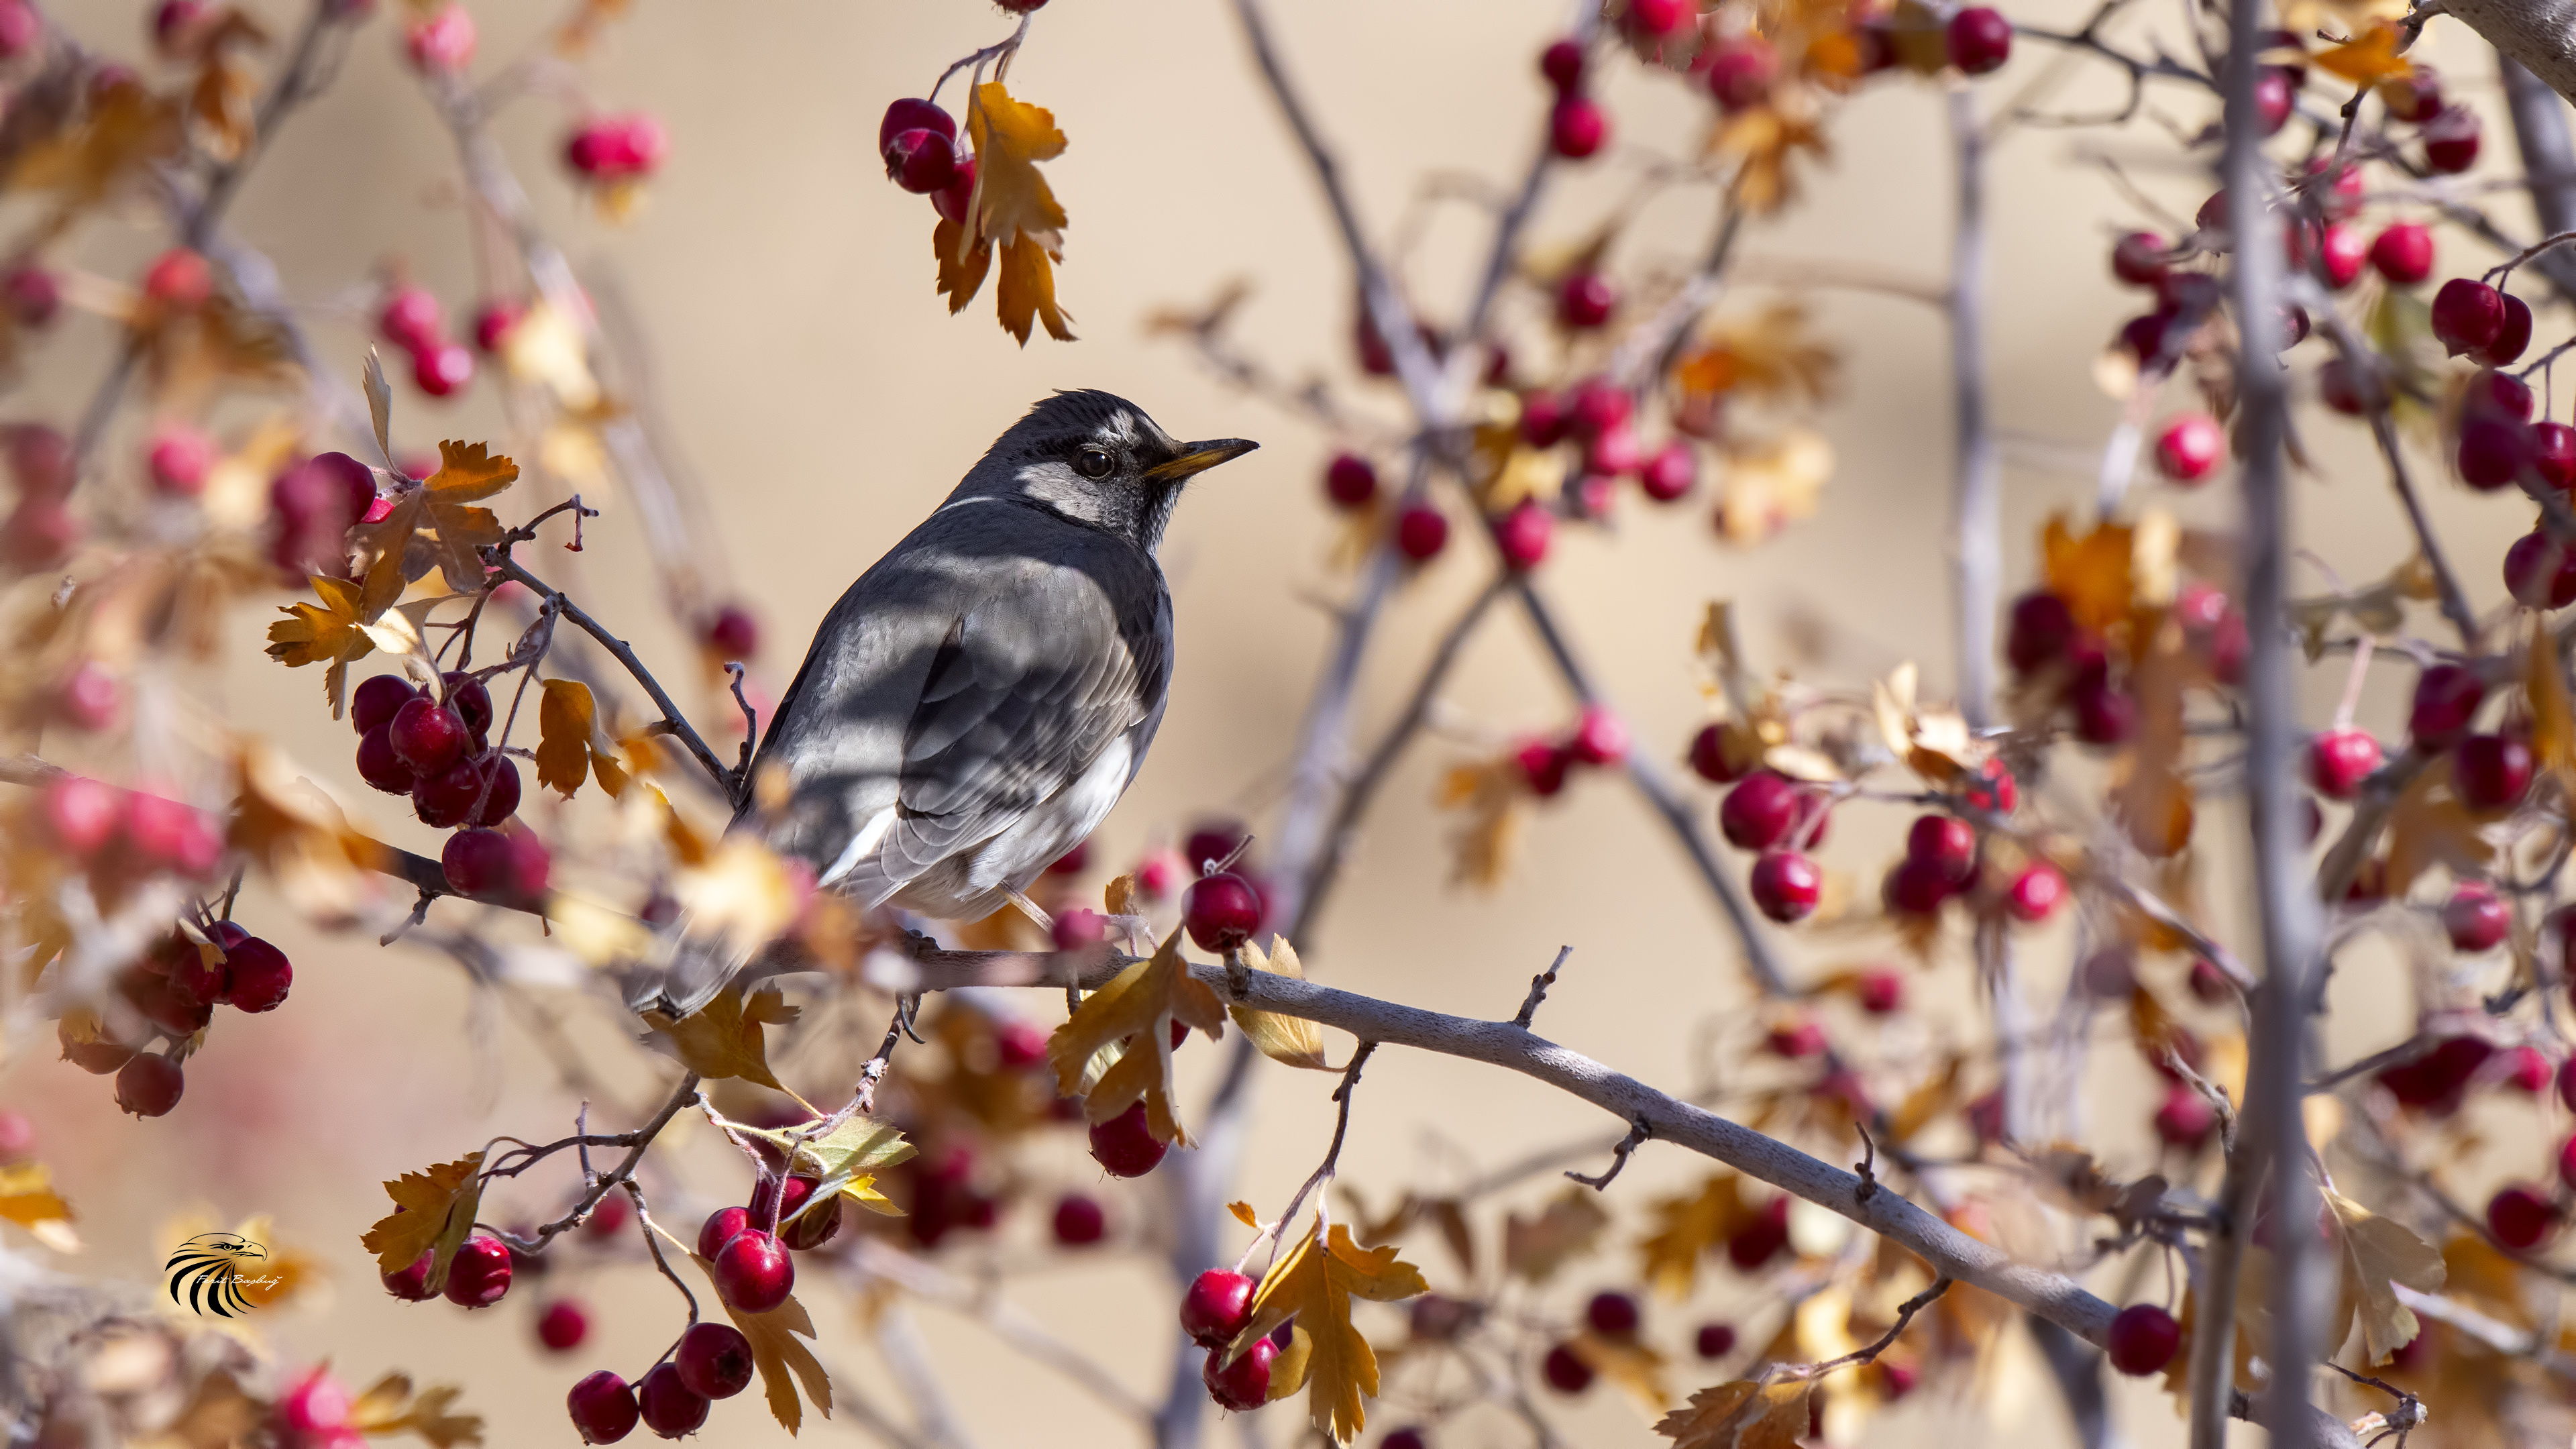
x: 816, y: 389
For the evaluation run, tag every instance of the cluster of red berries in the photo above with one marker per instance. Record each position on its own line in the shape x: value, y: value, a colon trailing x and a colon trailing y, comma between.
x: 437, y: 749
x: 172, y: 992
x: 1577, y: 127
x: 1599, y: 738
x: 607, y: 150
x: 122, y: 835
x: 2046, y: 646
x: 1597, y: 418
x: 412, y: 320
x: 312, y: 506
x: 2449, y: 130
x: 919, y: 143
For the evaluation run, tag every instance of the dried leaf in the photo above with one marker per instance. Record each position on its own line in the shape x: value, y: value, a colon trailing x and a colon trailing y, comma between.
x: 330, y: 633
x: 2429, y: 826
x: 1631, y: 1365
x: 565, y: 716
x: 840, y: 1156
x: 961, y: 270
x: 292, y: 830
x: 723, y: 1038
x: 1747, y: 1414
x: 440, y: 514
x: 2378, y: 1253
x: 1495, y: 798
x: 1288, y: 1040
x: 2091, y: 573
x: 1314, y: 1281
x: 1686, y: 1227
x: 2368, y: 60
x: 27, y: 1198
x: 1765, y: 488
x: 433, y: 1211
x: 1768, y: 353
x: 1027, y: 291
x: 380, y: 402
x: 1535, y: 1248
x: 2553, y: 711
x: 1134, y: 1013
x: 389, y: 1407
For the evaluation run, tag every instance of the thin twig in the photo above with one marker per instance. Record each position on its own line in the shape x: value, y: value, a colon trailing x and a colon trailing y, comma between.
x: 673, y: 721
x: 1638, y: 1132
x: 1324, y: 1171
x: 2454, y: 600
x: 1538, y: 989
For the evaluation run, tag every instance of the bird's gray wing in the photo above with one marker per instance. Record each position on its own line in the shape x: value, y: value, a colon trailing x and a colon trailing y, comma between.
x: 1029, y: 685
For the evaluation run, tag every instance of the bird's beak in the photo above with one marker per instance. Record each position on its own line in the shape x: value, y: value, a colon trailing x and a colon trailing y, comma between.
x: 1199, y: 457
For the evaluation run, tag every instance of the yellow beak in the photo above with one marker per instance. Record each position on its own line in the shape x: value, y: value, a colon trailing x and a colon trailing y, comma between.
x: 1199, y: 457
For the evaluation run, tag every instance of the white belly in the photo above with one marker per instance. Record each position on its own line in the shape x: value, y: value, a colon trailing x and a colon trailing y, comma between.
x: 974, y: 883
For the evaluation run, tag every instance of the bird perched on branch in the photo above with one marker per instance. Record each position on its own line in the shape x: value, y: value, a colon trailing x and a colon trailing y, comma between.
x: 974, y: 705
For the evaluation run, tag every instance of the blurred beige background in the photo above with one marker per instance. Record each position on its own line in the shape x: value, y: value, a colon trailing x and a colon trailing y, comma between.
x: 812, y: 381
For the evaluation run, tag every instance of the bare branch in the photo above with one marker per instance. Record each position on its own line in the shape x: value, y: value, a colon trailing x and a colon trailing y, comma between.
x: 673, y: 721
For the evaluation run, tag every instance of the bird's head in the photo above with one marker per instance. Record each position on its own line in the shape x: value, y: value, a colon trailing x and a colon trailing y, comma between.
x: 1099, y: 461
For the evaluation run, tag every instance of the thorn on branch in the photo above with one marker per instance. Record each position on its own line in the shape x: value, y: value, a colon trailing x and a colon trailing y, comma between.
x: 1866, y: 1167
x: 1638, y: 1131
x: 1538, y: 989
x: 419, y: 913
x: 750, y: 731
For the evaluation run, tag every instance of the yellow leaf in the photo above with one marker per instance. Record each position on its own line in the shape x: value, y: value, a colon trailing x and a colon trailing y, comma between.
x: 565, y: 714
x: 1746, y: 1414
x: 1135, y: 1012
x: 1494, y: 798
x: 2378, y: 1253
x: 27, y: 1198
x: 1314, y: 1281
x: 2090, y: 573
x: 1027, y: 291
x: 1631, y: 1365
x: 839, y: 1155
x: 1766, y: 488
x: 433, y: 1212
x: 783, y: 1362
x: 1288, y: 1040
x: 2429, y: 826
x: 723, y: 1038
x: 389, y: 1407
x: 1686, y: 1227
x: 439, y: 513
x: 1244, y: 1214
x: 2553, y: 711
x: 328, y: 633
x: 2368, y: 60
x: 1011, y: 137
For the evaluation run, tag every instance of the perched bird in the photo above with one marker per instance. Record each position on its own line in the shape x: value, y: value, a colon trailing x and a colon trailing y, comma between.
x: 976, y: 703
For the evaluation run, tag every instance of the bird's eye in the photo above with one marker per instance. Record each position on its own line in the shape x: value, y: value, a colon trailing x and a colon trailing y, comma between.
x: 1093, y: 462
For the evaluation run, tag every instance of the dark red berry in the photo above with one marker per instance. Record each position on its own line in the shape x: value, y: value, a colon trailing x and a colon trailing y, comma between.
x: 1916, y: 888
x: 1421, y: 531
x: 1786, y: 885
x: 714, y: 1360
x: 1079, y: 1221
x: 411, y: 319
x: 1222, y: 911
x: 1217, y: 1305
x: 2491, y: 772
x: 2138, y: 258
x: 1612, y: 1315
x: 2142, y: 1340
x: 602, y: 1407
x: 2185, y: 1119
x: 257, y: 975
x: 2490, y: 393
x: 2041, y: 629
x: 1760, y: 1238
x: 1714, y: 1340
x: 2451, y: 140
x: 1565, y: 1370
x: 1577, y: 127
x: 1350, y: 481
x: 482, y: 862
x: 411, y: 1284
x: 669, y: 1407
x: 1522, y: 535
x: 1944, y: 842
x: 1562, y: 64
x: 2553, y: 454
x: 2540, y: 572
x: 2521, y: 1217
x: 2447, y: 697
x: 562, y: 1325
x: 1741, y: 71
x: 910, y: 114
x: 1709, y: 759
x: 754, y: 1272
x: 149, y: 1086
x: 479, y: 1274
x: 1584, y: 300
x: 1671, y: 473
x: 427, y: 737
x: 2476, y: 918
x: 1881, y: 992
x: 1763, y: 810
x: 2511, y: 338
x: 719, y: 1229
x: 921, y: 161
x: 1125, y: 1145
x: 1980, y: 40
x: 373, y: 704
x: 1244, y: 1384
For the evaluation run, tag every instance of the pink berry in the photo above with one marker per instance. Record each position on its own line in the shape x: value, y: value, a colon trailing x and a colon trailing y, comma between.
x: 442, y: 41
x: 1980, y: 40
x: 714, y: 1360
x: 2190, y: 447
x: 1599, y: 738
x: 1671, y: 473
x: 89, y: 698
x: 1742, y: 71
x: 1522, y: 535
x: 2185, y: 1119
x: 180, y: 459
x: 412, y: 319
x: 2403, y: 253
x: 1659, y: 19
x: 1585, y: 300
x: 1216, y: 1306
x: 2343, y: 251
x: 1786, y: 885
x: 179, y: 279
x: 2143, y: 1339
x: 30, y: 293
x: 2527, y: 1069
x: 2274, y: 97
x: 1796, y: 1039
x: 1577, y: 127
x: 2036, y: 893
x: 1350, y: 481
x: 1421, y: 531
x: 492, y: 324
x: 479, y: 1274
x: 1125, y: 1146
x: 1881, y: 992
x: 82, y: 814
x: 315, y: 1406
x: 2338, y: 760
x: 443, y: 370
x: 754, y: 1272
x: 602, y: 1408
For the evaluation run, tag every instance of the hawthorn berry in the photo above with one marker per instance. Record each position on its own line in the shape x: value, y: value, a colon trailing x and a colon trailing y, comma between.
x: 493, y: 322
x: 2035, y: 893
x: 921, y: 160
x: 479, y: 1274
x: 1125, y: 1146
x: 2342, y: 252
x: 1217, y: 1305
x: 2040, y: 630
x: 2447, y: 697
x: 1880, y: 991
x: 2138, y: 258
x: 2553, y: 454
x: 608, y: 1217
x: 1577, y: 127
x: 1658, y: 19
x: 714, y: 1360
x: 1565, y: 1370
x: 2475, y: 918
x: 562, y: 1325
x: 1709, y: 759
x: 1763, y: 810
x: 1421, y: 531
x: 2491, y: 771
x: 1612, y: 1315
x: 1760, y: 1238
x: 2497, y: 394
x: 953, y: 200
x: 441, y: 41
x: 1522, y: 535
x: 471, y: 700
x: 1598, y: 405
x: 1916, y: 888
x: 2274, y: 96
x: 1945, y: 843
x: 2467, y: 315
x: 1244, y: 1384
x: 2185, y: 1119
x: 2403, y: 253
x: 1600, y: 737
x: 602, y: 1408
x: 1786, y: 885
x: 2189, y: 447
x: 31, y: 294
x: 179, y: 460
x: 2511, y: 338
x: 1079, y: 1221
x: 427, y: 736
x: 1714, y: 1340
x: 1670, y: 473
x: 1080, y: 927
x: 1585, y: 300
x: 411, y: 1285
x: 1742, y: 71
x: 668, y: 1406
x: 412, y: 319
x: 1562, y: 64
x: 2521, y: 1217
x: 2540, y: 572
x: 2338, y: 760
x: 2434, y: 1080
x: 719, y: 1229
x: 1350, y: 481
x: 1222, y: 911
x: 179, y: 279
x: 89, y: 698
x: 1796, y: 1039
x: 1979, y: 40
x: 2527, y: 1070
x: 443, y: 370
x: 82, y: 814
x: 754, y: 1272
x: 1545, y: 419
x: 2451, y: 140
x: 1404, y: 1438
x: 2142, y: 1340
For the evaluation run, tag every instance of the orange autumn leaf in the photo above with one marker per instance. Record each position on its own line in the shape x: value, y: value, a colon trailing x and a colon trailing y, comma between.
x: 1133, y: 1017
x: 435, y: 526
x: 2368, y: 60
x: 1313, y: 1282
x: 1013, y: 212
x: 2090, y: 573
x: 961, y: 272
x: 1746, y: 1414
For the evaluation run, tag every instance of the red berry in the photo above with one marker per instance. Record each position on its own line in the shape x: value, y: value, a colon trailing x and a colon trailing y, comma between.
x: 2041, y: 629
x: 1585, y: 300
x: 427, y: 736
x: 1980, y: 40
x: 1216, y: 1306
x: 1405, y: 1438
x: 921, y: 161
x: 1421, y: 531
x: 2338, y: 760
x: 1916, y: 888
x: 2274, y: 96
x: 411, y: 1285
x: 714, y: 1360
x: 1742, y: 71
x: 2527, y: 1070
x: 754, y: 1272
x: 1714, y: 1340
x: 440, y: 42
x: 2491, y: 772
x: 1522, y: 535
x: 443, y: 370
x: 1562, y: 64
x: 1079, y: 1221
x: 2036, y: 893
x: 1708, y: 756
x: 83, y: 814
x: 1761, y: 1238
x: 180, y: 459
x: 2142, y: 1340
x: 1599, y: 405
x: 608, y: 1217
x: 1565, y: 1370
x: 1658, y: 19
x: 1222, y: 911
x: 31, y: 294
x: 1350, y: 481
x: 1881, y: 992
x: 2451, y: 140
x: 668, y: 1406
x: 479, y: 1274
x: 412, y: 319
x: 1944, y: 842
x: 2490, y: 393
x: 602, y: 1408
x: 952, y: 200
x: 1577, y: 127
x: 481, y: 862
x: 2511, y: 338
x: 1125, y: 1146
x: 2467, y: 315
x: 2447, y: 697
x: 2343, y: 251
x: 2403, y: 253
x: 719, y: 1229
x: 179, y: 279
x: 2567, y: 1084
x: 1796, y: 1039
x: 1545, y: 419
x: 257, y: 975
x: 1080, y: 927
x: 2190, y: 447
x: 1671, y: 473
x: 171, y: 834
x: 1612, y: 1315
x: 562, y: 1326
x: 1599, y: 738
x: 1786, y: 885
x: 2540, y: 572
x: 2185, y: 1119
x: 1244, y: 1384
x: 2521, y: 1217
x: 911, y: 114
x: 492, y: 324
x: 2553, y: 454
x: 2416, y: 97
x: 2138, y: 258
x: 2434, y: 1080
x: 1764, y: 810
x: 2476, y: 918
